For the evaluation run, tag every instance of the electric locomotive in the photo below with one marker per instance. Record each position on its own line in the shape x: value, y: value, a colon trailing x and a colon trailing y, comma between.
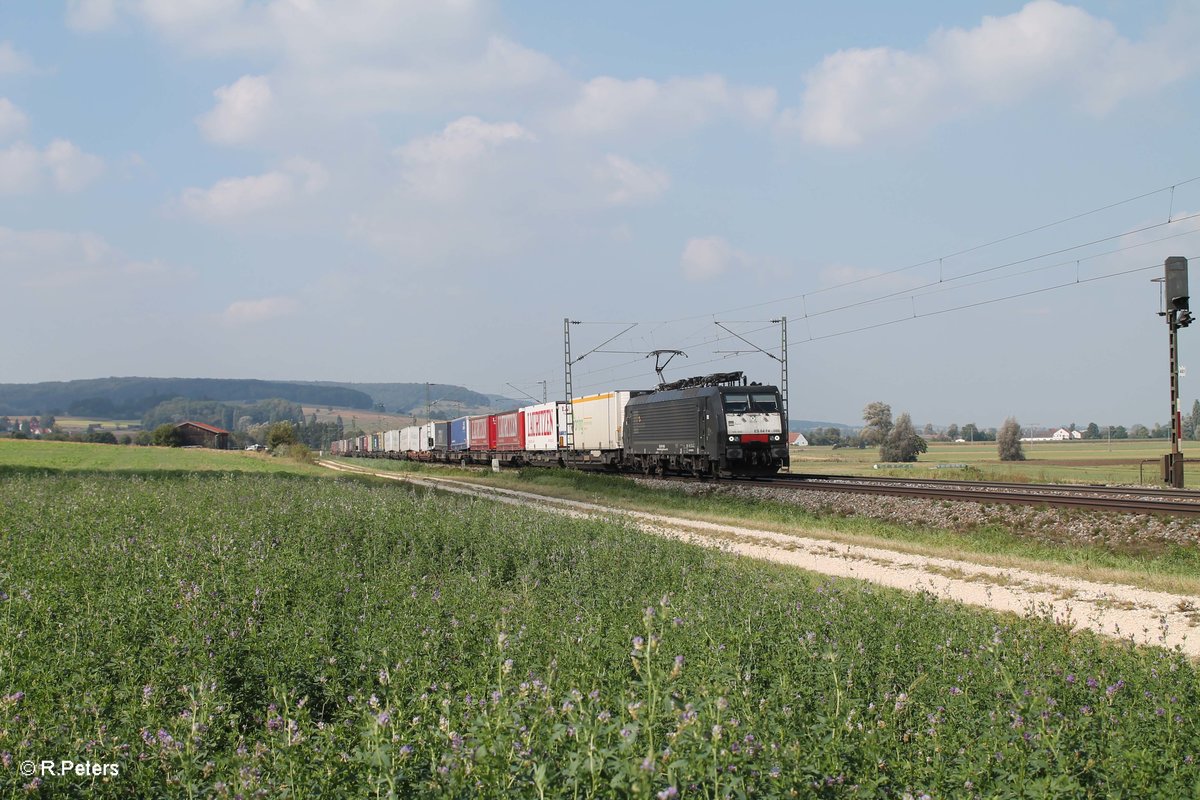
x: 709, y: 426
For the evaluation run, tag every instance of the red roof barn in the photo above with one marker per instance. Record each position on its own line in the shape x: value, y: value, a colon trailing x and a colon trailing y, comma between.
x: 198, y: 434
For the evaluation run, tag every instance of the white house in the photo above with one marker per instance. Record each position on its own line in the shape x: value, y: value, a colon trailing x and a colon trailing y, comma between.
x: 797, y: 440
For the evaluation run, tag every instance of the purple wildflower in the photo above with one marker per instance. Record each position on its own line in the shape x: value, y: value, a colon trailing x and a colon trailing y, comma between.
x: 667, y: 793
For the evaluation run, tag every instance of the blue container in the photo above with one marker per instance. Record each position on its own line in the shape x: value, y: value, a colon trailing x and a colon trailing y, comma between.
x: 458, y: 434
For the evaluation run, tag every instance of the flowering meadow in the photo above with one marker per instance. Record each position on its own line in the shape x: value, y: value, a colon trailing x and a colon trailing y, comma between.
x: 275, y: 636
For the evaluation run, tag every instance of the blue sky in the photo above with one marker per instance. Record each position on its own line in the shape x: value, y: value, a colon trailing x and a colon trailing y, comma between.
x: 412, y: 191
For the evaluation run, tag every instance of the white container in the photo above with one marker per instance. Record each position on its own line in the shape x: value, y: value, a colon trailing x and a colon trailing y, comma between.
x: 545, y: 426
x: 425, y: 438
x: 410, y: 439
x: 599, y: 420
x: 391, y: 441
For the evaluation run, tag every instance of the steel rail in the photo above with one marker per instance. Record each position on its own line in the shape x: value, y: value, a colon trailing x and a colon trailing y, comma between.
x: 1100, y: 498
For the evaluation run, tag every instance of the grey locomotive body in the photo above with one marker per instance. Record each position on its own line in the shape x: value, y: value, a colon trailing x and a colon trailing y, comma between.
x: 706, y: 426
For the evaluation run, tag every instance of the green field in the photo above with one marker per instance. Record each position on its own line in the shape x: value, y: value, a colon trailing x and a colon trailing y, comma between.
x: 222, y: 635
x: 1098, y: 461
x: 82, y: 424
x: 30, y: 454
x: 1129, y: 558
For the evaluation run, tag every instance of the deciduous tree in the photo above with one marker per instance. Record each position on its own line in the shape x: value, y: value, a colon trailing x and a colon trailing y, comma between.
x: 902, y: 442
x: 878, y: 419
x: 1008, y: 441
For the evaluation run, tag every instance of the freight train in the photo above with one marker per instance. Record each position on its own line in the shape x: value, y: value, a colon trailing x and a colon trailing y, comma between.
x: 712, y: 426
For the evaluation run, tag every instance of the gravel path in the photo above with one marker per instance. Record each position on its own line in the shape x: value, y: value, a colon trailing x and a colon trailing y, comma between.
x: 1126, y: 612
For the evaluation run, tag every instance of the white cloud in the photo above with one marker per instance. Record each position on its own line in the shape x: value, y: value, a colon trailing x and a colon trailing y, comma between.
x: 71, y: 168
x: 20, y: 169
x: 266, y: 308
x: 626, y: 183
x: 1045, y: 48
x: 231, y: 199
x: 311, y: 30
x: 708, y: 257
x: 241, y: 111
x: 54, y: 259
x: 609, y: 105
x: 442, y: 164
x: 463, y: 139
x: 12, y: 119
x: 12, y: 62
x: 24, y: 168
x: 91, y: 15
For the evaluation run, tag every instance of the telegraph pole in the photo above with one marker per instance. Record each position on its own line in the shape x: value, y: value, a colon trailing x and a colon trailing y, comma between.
x: 568, y: 362
x: 782, y: 358
x: 1175, y: 287
x: 783, y: 380
x: 570, y: 420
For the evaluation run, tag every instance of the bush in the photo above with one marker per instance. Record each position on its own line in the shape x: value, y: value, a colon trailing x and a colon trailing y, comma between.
x: 166, y: 435
x: 296, y: 450
x: 280, y: 433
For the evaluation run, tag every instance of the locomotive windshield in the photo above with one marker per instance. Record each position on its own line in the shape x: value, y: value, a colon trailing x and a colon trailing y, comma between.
x: 765, y: 403
x: 746, y: 403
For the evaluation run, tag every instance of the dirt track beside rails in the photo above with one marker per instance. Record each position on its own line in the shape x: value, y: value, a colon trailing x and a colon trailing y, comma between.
x: 1139, y: 615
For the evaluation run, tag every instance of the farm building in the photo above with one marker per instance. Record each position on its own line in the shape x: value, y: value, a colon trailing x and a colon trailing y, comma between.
x: 797, y: 440
x: 197, y: 434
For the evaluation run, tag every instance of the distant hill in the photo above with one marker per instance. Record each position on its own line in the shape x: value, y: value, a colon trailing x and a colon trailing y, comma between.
x: 410, y: 397
x: 117, y: 398
x: 808, y: 425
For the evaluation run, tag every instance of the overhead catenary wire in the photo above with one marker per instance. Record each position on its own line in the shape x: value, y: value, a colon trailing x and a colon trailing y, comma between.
x: 942, y: 285
x: 938, y: 312
x: 934, y: 285
x: 961, y: 252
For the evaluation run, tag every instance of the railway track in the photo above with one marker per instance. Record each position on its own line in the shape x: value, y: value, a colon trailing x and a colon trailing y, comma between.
x: 1176, y: 502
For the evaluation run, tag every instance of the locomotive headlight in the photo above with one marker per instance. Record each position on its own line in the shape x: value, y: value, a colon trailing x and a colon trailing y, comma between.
x: 733, y: 438
x: 775, y: 438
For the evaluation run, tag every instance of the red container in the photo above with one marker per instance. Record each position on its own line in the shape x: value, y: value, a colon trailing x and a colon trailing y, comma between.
x: 510, y: 431
x: 481, y: 433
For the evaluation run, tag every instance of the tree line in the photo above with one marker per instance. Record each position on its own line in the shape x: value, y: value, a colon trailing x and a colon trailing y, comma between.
x: 898, y: 440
